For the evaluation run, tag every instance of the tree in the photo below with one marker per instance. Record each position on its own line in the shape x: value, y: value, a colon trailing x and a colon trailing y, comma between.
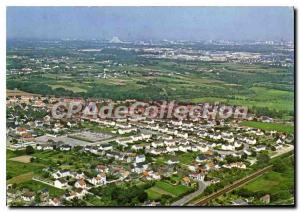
x: 263, y: 159
x: 279, y: 166
x: 29, y: 150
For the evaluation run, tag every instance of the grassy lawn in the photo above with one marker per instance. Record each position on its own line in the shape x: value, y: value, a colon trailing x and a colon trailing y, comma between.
x: 162, y: 187
x: 187, y: 158
x: 97, y: 128
x: 274, y: 182
x: 176, y: 190
x: 182, y: 157
x: 93, y: 200
x: 266, y: 183
x: 153, y: 195
x: 269, y: 126
x: 11, y: 154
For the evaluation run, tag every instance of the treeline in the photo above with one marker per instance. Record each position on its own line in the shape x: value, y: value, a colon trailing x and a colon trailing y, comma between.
x: 265, y: 111
x: 42, y: 89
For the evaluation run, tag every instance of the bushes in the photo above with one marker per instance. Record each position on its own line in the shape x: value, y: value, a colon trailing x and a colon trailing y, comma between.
x: 121, y: 195
x: 279, y: 166
x: 29, y: 150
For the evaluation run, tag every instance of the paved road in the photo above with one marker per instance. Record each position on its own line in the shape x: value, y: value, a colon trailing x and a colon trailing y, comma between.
x: 191, y: 196
x: 283, y: 151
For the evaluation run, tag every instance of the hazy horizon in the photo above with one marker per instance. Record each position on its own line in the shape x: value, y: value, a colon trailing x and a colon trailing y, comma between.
x: 151, y: 23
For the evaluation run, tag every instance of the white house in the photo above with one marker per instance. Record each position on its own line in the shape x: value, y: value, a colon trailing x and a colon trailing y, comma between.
x: 156, y: 144
x: 61, y: 173
x: 184, y: 148
x: 237, y: 144
x: 100, y: 179
x: 60, y: 183
x: 259, y: 148
x: 125, y: 131
x: 227, y: 147
x: 170, y: 142
x: 65, y: 148
x: 106, y: 147
x: 140, y: 159
x: 238, y: 165
x: 250, y: 141
x: 172, y: 149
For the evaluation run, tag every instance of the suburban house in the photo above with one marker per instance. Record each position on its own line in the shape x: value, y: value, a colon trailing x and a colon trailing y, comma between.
x: 100, y: 179
x: 61, y: 173
x: 28, y: 196
x: 54, y: 202
x: 140, y: 159
x: 238, y: 165
x: 197, y: 176
x: 60, y: 183
x: 80, y: 184
x: 259, y: 148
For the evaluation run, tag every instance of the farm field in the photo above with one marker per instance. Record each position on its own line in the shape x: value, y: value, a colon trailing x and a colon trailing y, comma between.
x: 16, y: 168
x: 19, y: 93
x: 22, y: 159
x: 21, y: 178
x: 287, y: 128
x: 260, y: 87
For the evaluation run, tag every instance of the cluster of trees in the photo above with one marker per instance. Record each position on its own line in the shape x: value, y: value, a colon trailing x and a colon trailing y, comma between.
x: 233, y: 159
x: 265, y: 111
x: 243, y: 192
x: 40, y: 88
x: 125, y: 195
x: 263, y: 159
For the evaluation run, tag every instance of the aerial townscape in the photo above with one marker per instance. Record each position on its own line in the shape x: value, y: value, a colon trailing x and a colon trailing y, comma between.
x: 62, y: 152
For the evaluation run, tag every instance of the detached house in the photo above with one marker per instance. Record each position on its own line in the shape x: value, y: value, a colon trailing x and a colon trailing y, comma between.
x: 259, y: 148
x: 100, y: 179
x: 28, y: 196
x: 80, y: 184
x: 60, y: 183
x: 61, y: 173
x: 197, y: 176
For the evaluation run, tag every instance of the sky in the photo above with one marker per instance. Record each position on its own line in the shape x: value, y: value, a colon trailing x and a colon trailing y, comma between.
x: 151, y: 23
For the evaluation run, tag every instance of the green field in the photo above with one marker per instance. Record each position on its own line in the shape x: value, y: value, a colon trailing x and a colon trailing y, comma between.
x: 286, y: 128
x: 252, y: 85
x: 278, y: 185
x: 21, y: 178
x: 14, y: 169
x: 261, y: 97
x: 162, y: 187
x: 70, y: 88
x: 38, y: 187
